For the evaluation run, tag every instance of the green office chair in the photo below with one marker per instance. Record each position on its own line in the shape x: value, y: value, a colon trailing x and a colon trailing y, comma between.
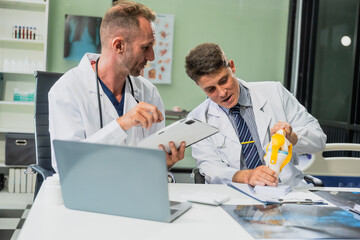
x: 43, y: 167
x: 200, y: 179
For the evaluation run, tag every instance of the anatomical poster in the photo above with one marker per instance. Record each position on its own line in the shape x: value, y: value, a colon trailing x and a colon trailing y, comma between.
x: 159, y: 70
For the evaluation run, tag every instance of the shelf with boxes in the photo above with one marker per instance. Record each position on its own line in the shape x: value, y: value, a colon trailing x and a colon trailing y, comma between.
x: 23, y: 35
x: 16, y: 117
x: 23, y: 3
x: 20, y: 41
x: 19, y: 153
x: 26, y: 62
x: 17, y: 103
x: 20, y: 56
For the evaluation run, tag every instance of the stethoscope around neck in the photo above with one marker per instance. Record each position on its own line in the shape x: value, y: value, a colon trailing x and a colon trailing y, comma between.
x: 98, y: 91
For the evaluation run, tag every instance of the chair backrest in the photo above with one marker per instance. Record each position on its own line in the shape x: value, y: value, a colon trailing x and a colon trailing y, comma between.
x: 44, y: 81
x: 335, y: 166
x: 198, y: 178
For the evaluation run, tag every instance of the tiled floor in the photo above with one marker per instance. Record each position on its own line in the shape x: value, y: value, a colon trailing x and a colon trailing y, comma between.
x: 14, y: 208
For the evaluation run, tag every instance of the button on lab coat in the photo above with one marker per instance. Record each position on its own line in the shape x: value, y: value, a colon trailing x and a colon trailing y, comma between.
x: 74, y: 111
x: 218, y: 156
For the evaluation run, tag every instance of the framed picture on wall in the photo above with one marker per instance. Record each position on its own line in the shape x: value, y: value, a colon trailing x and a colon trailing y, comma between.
x: 159, y: 70
x: 82, y: 35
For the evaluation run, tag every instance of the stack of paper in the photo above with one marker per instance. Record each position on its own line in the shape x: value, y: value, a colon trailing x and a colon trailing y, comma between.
x: 271, y: 195
x: 280, y: 190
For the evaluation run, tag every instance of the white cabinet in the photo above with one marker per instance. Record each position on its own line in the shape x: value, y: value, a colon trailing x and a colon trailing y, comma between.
x: 19, y: 58
x: 26, y: 52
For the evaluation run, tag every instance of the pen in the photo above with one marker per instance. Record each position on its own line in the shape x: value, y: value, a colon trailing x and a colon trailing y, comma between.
x: 248, y: 142
x: 354, y: 211
x: 305, y: 201
x: 251, y: 189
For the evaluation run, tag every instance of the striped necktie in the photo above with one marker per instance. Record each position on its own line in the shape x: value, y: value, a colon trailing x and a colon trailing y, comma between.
x: 249, y: 150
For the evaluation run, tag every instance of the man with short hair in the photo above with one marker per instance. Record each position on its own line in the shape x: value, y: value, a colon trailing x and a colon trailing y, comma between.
x: 104, y: 99
x: 251, y: 111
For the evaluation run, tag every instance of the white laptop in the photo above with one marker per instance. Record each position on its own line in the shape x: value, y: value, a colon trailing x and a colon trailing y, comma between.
x: 117, y: 180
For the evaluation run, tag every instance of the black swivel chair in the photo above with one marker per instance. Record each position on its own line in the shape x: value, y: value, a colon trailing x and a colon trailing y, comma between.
x: 43, y: 168
x: 200, y: 179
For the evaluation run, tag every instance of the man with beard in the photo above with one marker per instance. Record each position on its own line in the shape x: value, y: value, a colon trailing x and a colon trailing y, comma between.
x: 104, y: 99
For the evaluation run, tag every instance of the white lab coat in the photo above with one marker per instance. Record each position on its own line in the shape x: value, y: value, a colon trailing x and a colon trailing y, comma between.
x: 74, y: 111
x: 218, y: 157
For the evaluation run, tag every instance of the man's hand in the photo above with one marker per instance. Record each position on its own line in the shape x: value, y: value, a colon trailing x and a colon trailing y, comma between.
x: 290, y: 135
x: 261, y: 175
x: 142, y: 114
x: 175, y: 155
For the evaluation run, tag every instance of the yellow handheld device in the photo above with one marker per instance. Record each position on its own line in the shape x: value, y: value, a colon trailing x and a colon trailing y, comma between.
x: 278, y: 152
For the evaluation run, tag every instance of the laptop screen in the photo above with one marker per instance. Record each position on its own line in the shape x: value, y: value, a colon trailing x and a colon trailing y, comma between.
x: 118, y: 180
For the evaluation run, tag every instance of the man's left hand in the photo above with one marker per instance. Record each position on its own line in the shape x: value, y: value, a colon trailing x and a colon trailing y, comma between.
x: 175, y: 155
x: 290, y: 135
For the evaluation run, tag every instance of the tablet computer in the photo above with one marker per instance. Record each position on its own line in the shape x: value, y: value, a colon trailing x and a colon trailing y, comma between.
x: 189, y: 130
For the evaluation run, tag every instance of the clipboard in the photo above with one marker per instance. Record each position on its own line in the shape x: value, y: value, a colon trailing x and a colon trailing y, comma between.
x: 189, y: 130
x: 268, y: 198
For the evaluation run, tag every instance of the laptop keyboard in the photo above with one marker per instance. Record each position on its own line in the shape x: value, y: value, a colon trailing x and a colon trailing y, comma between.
x: 172, y: 208
x: 173, y: 203
x: 178, y: 208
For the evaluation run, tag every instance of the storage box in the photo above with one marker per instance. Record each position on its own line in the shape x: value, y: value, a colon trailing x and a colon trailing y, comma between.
x: 19, y: 149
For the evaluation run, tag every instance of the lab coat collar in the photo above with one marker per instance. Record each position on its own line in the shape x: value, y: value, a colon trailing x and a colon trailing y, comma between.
x: 244, y: 97
x: 87, y: 70
x: 85, y: 65
x: 218, y: 118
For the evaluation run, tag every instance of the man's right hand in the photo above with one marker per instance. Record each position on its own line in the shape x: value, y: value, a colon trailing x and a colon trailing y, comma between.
x: 261, y: 175
x: 143, y: 114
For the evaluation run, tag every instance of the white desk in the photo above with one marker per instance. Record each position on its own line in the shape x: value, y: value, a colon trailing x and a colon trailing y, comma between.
x: 201, y: 221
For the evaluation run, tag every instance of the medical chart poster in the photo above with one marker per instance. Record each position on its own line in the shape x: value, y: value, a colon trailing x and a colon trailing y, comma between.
x: 159, y: 70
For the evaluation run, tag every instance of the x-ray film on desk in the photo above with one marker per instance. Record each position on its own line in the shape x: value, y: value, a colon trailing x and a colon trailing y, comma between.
x: 294, y: 221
